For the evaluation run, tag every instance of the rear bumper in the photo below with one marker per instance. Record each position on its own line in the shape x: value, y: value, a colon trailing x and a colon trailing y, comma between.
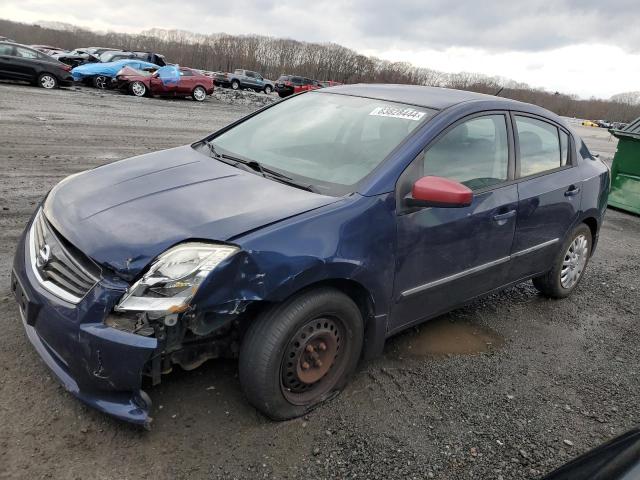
x: 65, y: 80
x: 99, y: 365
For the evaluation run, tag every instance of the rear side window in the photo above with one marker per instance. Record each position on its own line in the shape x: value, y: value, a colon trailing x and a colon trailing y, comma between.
x: 6, y: 49
x: 475, y: 153
x: 250, y: 74
x: 540, y: 146
x: 186, y: 73
x: 296, y: 80
x: 26, y: 53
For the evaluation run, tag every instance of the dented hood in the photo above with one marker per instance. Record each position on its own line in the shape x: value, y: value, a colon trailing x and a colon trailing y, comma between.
x: 126, y: 213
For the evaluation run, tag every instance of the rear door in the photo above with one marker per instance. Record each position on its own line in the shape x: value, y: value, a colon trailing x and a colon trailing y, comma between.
x: 186, y: 83
x: 250, y: 79
x: 7, y: 61
x: 25, y: 63
x: 549, y: 191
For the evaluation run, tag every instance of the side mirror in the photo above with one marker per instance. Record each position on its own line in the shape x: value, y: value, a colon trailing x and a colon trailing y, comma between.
x: 155, y: 75
x: 439, y: 192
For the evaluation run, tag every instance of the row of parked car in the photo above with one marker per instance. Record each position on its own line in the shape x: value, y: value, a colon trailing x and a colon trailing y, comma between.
x: 137, y: 73
x: 286, y: 85
x: 134, y: 72
x: 603, y: 124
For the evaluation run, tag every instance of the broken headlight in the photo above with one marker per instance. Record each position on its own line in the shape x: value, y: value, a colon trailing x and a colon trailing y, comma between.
x: 174, y: 278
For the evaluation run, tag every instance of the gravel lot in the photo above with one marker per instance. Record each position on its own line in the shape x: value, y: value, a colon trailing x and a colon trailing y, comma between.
x: 506, y: 388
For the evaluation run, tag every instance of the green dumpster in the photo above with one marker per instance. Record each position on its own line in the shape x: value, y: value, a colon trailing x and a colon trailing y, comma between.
x: 625, y: 170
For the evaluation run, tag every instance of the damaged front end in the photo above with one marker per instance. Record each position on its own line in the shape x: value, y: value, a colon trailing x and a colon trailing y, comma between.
x: 161, y: 305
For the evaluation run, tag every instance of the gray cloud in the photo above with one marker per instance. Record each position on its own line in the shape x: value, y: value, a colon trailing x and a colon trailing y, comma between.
x: 494, y: 25
x: 498, y: 25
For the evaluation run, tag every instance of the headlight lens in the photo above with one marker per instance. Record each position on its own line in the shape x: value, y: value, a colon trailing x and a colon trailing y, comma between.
x: 174, y: 278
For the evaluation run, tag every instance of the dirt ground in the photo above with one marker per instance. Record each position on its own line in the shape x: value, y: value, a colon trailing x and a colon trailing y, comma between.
x: 506, y: 388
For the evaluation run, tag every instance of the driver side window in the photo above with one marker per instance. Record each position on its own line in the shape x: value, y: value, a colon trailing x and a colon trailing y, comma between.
x: 474, y: 153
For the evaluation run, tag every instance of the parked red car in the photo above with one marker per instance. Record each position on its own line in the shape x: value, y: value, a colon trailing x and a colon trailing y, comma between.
x: 191, y: 83
x: 289, y: 84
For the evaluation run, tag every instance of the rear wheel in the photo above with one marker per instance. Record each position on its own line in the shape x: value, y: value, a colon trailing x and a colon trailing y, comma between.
x: 300, y: 353
x: 199, y: 94
x: 138, y: 89
x: 569, y: 265
x: 48, y: 81
x: 100, y: 81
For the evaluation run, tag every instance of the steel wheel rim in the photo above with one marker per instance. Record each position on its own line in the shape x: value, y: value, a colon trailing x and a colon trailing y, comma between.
x: 322, y: 345
x: 199, y: 94
x: 574, y: 261
x: 138, y: 89
x: 47, y: 81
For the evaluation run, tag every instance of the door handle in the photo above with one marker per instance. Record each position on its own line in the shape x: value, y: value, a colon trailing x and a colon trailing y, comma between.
x: 504, y: 216
x: 572, y: 191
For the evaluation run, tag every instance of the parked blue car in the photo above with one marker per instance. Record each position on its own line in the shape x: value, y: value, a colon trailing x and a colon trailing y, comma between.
x: 100, y: 74
x: 301, y: 251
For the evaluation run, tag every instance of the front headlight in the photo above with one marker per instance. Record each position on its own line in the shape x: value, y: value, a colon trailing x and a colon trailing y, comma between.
x: 174, y: 278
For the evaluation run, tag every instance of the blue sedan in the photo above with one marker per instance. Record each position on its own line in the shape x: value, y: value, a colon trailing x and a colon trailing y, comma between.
x: 301, y: 250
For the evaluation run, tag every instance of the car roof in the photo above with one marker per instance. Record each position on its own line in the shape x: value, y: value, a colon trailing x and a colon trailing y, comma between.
x: 431, y: 97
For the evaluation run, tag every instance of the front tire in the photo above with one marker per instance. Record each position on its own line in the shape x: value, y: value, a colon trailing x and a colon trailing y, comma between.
x: 235, y: 85
x: 569, y: 265
x: 137, y: 89
x: 268, y: 89
x: 100, y: 82
x: 300, y: 353
x: 48, y: 81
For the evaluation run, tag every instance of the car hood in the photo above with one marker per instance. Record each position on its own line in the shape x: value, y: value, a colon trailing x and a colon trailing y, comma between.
x: 124, y: 214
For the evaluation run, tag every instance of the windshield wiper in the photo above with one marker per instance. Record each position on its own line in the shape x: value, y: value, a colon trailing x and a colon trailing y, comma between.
x: 257, y: 167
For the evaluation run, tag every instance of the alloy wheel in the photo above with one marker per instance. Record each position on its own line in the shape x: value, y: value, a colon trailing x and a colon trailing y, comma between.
x: 199, y: 94
x: 101, y: 82
x: 138, y: 89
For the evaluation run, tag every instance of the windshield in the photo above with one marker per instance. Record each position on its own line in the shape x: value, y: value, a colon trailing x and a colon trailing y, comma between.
x: 328, y: 141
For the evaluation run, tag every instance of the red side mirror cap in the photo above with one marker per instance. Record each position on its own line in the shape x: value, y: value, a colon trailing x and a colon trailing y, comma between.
x: 439, y: 192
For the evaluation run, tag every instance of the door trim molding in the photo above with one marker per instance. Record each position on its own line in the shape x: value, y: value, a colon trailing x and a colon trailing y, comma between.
x: 479, y: 268
x: 534, y: 248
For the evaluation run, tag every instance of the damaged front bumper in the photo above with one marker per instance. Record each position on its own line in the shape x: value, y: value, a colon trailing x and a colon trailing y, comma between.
x: 100, y: 365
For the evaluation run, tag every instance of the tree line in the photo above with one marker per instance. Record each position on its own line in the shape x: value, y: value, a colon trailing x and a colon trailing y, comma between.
x: 275, y: 56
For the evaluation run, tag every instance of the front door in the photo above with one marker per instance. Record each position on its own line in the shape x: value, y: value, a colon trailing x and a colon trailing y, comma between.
x: 549, y: 192
x: 449, y: 255
x: 165, y: 81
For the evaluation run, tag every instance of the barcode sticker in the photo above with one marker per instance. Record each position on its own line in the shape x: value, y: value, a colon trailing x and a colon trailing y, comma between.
x: 396, y: 112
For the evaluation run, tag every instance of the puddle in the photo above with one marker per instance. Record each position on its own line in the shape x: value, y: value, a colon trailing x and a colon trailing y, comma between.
x: 443, y: 337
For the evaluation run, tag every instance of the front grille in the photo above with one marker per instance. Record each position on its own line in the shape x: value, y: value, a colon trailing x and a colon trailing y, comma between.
x: 60, y: 267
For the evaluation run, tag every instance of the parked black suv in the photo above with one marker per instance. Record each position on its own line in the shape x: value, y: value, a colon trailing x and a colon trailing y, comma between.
x: 19, y: 62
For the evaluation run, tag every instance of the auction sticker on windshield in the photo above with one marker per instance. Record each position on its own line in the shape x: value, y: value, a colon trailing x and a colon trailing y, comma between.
x: 396, y: 112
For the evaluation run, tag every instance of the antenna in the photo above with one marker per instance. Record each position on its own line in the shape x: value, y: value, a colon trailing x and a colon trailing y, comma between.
x: 497, y: 94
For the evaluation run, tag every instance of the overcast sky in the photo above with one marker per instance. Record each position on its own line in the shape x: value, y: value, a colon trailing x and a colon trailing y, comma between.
x: 587, y: 47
